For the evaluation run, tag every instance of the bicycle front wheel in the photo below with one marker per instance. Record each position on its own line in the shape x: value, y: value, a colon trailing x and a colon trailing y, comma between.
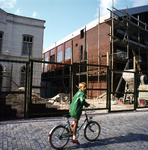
x: 92, y: 131
x: 59, y: 137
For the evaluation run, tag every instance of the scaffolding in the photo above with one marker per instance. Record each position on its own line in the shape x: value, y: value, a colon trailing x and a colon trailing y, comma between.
x: 130, y: 33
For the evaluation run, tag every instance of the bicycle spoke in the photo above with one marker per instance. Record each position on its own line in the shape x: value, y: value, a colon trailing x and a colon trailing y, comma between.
x: 92, y: 131
x: 59, y: 137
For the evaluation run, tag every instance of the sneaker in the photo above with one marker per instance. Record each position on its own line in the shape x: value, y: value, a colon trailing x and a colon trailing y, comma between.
x: 75, y: 141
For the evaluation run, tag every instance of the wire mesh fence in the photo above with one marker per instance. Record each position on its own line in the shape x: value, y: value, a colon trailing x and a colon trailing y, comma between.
x: 51, y: 89
x: 123, y: 97
x: 12, y: 91
x: 96, y: 78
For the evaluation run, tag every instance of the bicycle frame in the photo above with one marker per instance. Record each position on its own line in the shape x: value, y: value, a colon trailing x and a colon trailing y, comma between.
x: 79, y: 128
x: 67, y: 124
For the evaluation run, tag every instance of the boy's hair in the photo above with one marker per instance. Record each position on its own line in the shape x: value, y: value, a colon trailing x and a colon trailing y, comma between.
x: 82, y: 84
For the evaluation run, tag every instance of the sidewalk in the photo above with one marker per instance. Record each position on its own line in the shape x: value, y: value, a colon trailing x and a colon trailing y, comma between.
x: 119, y: 131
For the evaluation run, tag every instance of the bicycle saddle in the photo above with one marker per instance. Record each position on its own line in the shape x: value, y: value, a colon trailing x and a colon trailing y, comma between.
x: 67, y: 116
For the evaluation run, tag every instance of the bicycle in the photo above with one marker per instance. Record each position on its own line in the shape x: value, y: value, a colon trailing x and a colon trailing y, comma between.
x: 59, y: 135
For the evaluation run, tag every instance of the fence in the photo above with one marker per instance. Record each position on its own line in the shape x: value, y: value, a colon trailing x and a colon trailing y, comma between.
x: 130, y: 91
x: 41, y: 88
x: 97, y: 81
x: 54, y: 89
x: 58, y: 86
x: 12, y: 97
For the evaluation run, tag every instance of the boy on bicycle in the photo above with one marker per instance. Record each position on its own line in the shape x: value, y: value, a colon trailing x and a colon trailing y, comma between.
x: 76, y: 108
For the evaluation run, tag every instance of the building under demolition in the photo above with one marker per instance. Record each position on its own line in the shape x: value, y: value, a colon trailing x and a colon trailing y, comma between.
x: 117, y: 39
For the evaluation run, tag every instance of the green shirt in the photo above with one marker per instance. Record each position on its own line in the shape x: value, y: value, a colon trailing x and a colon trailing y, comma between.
x: 77, y: 105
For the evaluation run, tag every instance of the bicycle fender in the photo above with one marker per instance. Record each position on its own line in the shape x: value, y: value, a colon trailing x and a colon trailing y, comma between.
x: 86, y: 124
x: 54, y: 128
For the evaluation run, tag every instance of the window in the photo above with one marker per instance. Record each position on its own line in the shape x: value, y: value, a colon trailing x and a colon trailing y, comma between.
x: 27, y: 45
x: 81, y: 34
x: 76, y: 45
x: 52, y: 58
x: 67, y: 53
x: 1, y: 40
x: 81, y: 52
x: 60, y: 56
x: 46, y: 59
x: 23, y: 77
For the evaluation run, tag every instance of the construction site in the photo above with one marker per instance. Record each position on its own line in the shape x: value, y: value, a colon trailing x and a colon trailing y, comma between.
x: 110, y: 54
x: 119, y: 42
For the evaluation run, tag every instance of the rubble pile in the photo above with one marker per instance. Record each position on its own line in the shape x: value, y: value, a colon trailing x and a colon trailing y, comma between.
x: 17, y: 100
x: 61, y: 101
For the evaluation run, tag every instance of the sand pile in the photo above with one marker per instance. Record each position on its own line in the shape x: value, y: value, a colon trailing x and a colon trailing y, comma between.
x: 17, y: 100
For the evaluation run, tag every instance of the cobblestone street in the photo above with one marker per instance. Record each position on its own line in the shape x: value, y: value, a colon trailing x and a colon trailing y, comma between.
x: 119, y: 131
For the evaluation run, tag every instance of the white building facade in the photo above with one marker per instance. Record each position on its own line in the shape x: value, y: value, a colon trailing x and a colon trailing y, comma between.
x: 19, y: 34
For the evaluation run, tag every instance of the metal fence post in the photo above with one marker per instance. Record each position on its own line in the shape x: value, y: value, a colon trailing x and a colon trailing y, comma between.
x: 109, y: 89
x: 74, y: 68
x: 25, y: 95
x: 26, y: 89
x: 107, y: 96
x: 30, y: 88
x: 135, y: 90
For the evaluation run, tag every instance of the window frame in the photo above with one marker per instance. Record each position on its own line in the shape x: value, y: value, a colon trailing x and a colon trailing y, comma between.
x: 24, y: 74
x: 82, y: 34
x: 21, y: 76
x: 23, y: 36
x: 61, y: 58
x: 51, y: 58
x: 81, y: 53
x: 67, y: 52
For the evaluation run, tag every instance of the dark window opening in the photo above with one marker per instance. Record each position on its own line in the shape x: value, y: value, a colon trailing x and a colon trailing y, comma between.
x: 82, y: 34
x: 81, y: 52
x: 1, y: 40
x: 52, y: 58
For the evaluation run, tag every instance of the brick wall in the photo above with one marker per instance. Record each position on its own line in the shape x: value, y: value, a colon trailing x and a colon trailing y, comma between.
x: 92, y: 52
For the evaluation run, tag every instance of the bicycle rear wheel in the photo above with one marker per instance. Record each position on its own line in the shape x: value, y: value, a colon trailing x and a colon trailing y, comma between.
x: 59, y: 137
x: 92, y: 131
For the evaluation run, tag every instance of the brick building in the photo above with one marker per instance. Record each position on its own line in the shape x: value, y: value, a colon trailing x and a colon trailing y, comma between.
x: 105, y: 41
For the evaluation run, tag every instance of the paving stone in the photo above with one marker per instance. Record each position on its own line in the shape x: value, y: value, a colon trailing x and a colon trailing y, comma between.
x: 119, y: 131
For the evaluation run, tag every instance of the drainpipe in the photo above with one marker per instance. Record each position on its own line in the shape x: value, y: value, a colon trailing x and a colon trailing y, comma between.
x: 98, y: 48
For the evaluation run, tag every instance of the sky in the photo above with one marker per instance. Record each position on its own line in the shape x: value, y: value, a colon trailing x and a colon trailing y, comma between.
x: 64, y: 16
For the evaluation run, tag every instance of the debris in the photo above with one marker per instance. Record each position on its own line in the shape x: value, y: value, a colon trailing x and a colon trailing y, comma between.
x: 113, y: 102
